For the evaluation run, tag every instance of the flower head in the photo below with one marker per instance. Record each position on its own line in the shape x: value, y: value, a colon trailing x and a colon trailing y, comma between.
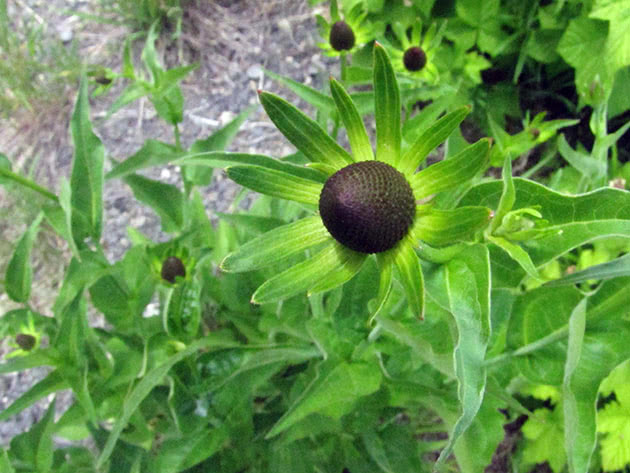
x: 346, y: 32
x: 364, y: 202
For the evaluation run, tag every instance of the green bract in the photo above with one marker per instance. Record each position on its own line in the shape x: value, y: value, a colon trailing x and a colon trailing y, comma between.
x: 382, y: 208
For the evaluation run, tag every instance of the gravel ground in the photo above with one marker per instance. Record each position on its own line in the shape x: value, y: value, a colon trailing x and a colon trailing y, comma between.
x: 231, y: 41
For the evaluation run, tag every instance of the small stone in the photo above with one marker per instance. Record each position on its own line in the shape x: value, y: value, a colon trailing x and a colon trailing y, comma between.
x: 165, y: 174
x: 254, y: 72
x: 65, y: 35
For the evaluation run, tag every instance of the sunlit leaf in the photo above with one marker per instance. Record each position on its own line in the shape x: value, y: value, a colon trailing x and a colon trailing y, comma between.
x: 387, y: 108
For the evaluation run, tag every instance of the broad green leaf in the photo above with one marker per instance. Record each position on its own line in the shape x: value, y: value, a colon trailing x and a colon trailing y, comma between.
x: 410, y: 272
x: 35, y: 447
x: 17, y: 281
x: 50, y: 384
x: 387, y: 108
x: 451, y: 172
x: 305, y: 275
x: 617, y: 13
x: 618, y: 267
x: 165, y: 199
x: 152, y: 153
x: 223, y: 159
x: 86, y: 181
x: 216, y: 340
x: 218, y: 141
x: 304, y: 133
x: 441, y: 227
x: 572, y: 221
x: 430, y: 139
x: 544, y: 439
x: 276, y: 183
x: 357, y: 136
x: 468, y: 286
x: 333, y: 393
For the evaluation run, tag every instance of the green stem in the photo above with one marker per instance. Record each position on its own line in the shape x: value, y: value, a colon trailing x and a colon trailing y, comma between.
x: 539, y: 344
x: 178, y: 142
x: 28, y: 183
x: 539, y: 165
x: 343, y: 68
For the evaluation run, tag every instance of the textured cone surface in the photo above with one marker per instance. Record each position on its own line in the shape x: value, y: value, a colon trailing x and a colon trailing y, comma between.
x: 341, y: 36
x: 414, y: 59
x: 25, y: 341
x: 367, y: 206
x: 171, y: 268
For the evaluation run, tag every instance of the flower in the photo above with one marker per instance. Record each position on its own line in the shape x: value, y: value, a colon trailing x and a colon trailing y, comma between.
x: 412, y: 53
x: 344, y: 35
x: 369, y: 203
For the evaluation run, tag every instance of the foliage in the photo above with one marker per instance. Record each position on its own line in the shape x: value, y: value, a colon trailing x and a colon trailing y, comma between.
x: 276, y: 347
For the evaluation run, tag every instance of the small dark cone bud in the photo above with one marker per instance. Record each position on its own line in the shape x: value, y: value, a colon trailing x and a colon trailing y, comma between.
x: 367, y: 206
x: 172, y: 268
x: 103, y: 80
x: 341, y: 36
x: 25, y: 341
x: 414, y: 59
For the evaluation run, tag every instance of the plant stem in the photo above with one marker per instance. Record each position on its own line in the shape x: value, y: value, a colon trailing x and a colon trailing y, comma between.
x: 178, y: 142
x: 343, y: 63
x: 28, y: 183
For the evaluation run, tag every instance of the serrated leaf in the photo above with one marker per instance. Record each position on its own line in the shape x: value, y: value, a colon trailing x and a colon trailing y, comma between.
x: 430, y: 139
x: 357, y: 136
x: 333, y: 393
x: 387, y: 108
x: 165, y: 199
x: 544, y: 439
x: 19, y: 274
x: 450, y: 172
x: 276, y: 183
x: 86, y: 181
x: 304, y: 133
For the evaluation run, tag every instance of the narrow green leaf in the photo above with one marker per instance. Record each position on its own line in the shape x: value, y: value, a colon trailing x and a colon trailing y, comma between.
x: 587, y: 165
x: 42, y: 357
x: 19, y: 273
x: 50, y: 384
x: 518, y: 254
x: 319, y: 100
x: 276, y: 183
x: 386, y: 267
x: 468, y: 287
x: 35, y: 447
x: 152, y: 153
x: 507, y: 197
x: 154, y: 377
x: 223, y: 159
x: 86, y: 181
x: 65, y: 202
x: 249, y: 222
x: 442, y: 227
x: 341, y: 275
x: 410, y: 271
x: 165, y: 199
x: 616, y: 268
x: 387, y: 108
x: 304, y: 133
x: 451, y: 172
x: 5, y: 463
x: 357, y: 136
x: 276, y: 245
x: 332, y: 393
x: 303, y: 276
x: 430, y: 139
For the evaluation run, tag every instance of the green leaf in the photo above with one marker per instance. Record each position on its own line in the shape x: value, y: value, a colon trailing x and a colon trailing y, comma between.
x: 618, y: 14
x: 589, y: 166
x: 572, y: 220
x: 616, y: 268
x: 430, y: 139
x: 507, y: 196
x: 304, y: 133
x: 6, y: 165
x: 152, y: 153
x: 518, y: 254
x: 86, y: 181
x: 333, y: 393
x: 441, y: 227
x: 35, y: 447
x: 387, y: 108
x: 19, y: 273
x: 222, y: 159
x: 357, y: 136
x: 305, y: 275
x: 216, y: 340
x: 5, y: 463
x: 42, y: 357
x: 544, y: 439
x: 50, y: 384
x: 276, y: 183
x: 410, y: 271
x: 468, y: 287
x: 451, y: 172
x: 341, y: 275
x: 316, y: 98
x: 165, y: 199
x: 614, y: 422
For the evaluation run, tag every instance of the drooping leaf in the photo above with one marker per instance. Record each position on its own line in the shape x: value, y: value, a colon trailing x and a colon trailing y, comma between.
x: 165, y: 199
x: 152, y: 153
